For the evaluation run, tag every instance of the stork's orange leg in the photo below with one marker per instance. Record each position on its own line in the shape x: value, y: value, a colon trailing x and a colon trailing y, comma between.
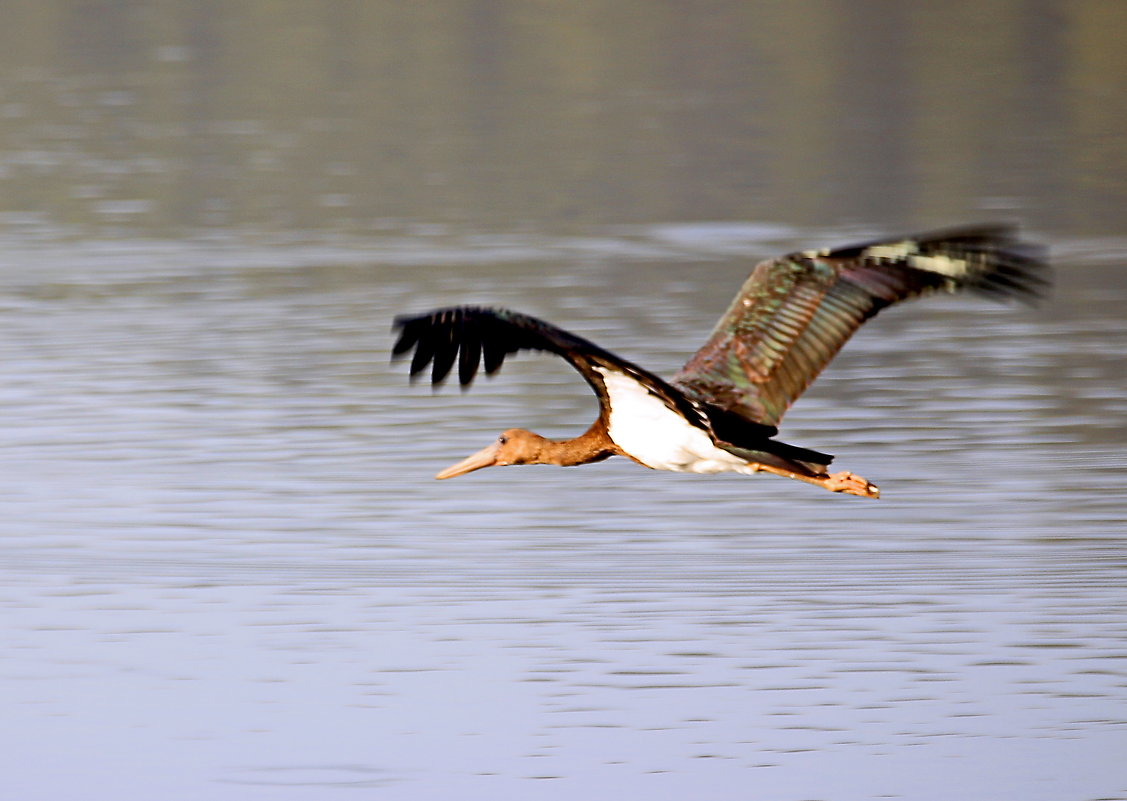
x: 844, y: 481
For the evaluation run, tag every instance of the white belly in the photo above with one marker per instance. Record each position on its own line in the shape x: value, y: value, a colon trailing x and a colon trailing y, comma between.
x: 643, y: 426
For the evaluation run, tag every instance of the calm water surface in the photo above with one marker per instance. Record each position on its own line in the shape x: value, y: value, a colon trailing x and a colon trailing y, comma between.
x: 227, y: 572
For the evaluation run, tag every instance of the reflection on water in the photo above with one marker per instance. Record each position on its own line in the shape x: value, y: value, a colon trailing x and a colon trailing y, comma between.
x: 351, y: 116
x: 227, y: 569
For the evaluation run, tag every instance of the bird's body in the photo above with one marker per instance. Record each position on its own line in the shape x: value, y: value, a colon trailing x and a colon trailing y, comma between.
x: 719, y: 412
x: 651, y: 433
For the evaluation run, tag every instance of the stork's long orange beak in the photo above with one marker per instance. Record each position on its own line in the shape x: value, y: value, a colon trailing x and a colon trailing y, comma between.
x: 486, y: 457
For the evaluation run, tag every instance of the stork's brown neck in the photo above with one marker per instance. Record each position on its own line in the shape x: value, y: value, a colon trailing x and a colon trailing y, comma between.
x: 592, y: 445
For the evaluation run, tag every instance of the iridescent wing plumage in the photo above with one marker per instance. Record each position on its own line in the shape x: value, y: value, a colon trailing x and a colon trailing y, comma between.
x: 794, y: 313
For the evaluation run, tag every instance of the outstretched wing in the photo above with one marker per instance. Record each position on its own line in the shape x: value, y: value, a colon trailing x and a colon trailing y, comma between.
x: 469, y: 335
x: 794, y: 313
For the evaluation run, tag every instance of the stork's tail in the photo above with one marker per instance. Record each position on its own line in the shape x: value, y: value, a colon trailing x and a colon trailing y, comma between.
x: 786, y: 457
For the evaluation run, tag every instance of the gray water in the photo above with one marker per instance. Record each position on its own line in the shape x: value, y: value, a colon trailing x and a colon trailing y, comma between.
x: 225, y: 570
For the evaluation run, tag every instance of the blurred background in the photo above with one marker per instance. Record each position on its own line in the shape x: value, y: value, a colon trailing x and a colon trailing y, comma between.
x: 162, y: 119
x: 225, y: 571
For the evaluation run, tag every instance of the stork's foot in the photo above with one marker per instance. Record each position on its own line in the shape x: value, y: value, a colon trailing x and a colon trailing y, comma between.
x: 844, y: 481
x: 850, y: 484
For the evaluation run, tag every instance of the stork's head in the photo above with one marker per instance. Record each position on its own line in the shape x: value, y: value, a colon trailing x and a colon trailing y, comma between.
x: 515, y: 446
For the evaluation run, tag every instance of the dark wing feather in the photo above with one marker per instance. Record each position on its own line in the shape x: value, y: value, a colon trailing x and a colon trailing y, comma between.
x: 794, y: 313
x: 470, y: 335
